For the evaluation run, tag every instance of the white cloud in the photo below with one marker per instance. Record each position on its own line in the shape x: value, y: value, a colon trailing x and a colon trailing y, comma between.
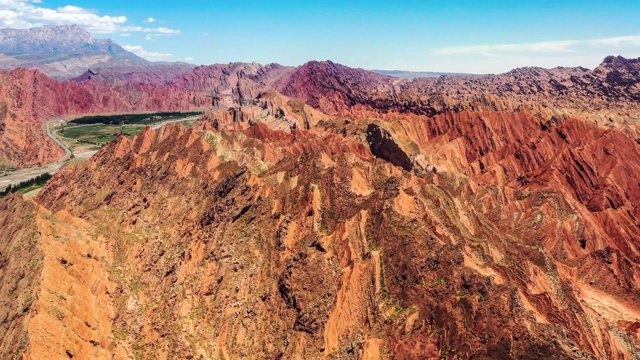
x: 125, y: 34
x: 150, y: 20
x: 188, y: 58
x: 160, y: 30
x: 24, y: 14
x: 27, y: 13
x: 548, y: 54
x: 616, y: 41
x: 70, y: 9
x: 10, y: 19
x: 552, y: 47
x: 164, y: 30
x: 493, y: 50
x: 149, y: 55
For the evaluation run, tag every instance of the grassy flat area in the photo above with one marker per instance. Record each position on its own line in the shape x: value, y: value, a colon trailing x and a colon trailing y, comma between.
x: 99, y: 133
x: 103, y: 133
x: 142, y: 119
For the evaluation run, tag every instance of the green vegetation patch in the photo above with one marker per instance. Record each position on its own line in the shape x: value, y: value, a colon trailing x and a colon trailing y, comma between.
x: 101, y: 129
x: 99, y: 133
x: 26, y: 186
x: 144, y: 119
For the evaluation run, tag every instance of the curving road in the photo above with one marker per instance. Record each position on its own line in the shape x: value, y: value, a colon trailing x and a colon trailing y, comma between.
x: 67, y: 151
x: 18, y: 176
x: 157, y: 126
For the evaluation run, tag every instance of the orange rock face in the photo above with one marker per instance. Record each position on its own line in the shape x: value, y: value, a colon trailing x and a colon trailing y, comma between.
x: 321, y: 253
x: 491, y: 227
x: 21, y: 259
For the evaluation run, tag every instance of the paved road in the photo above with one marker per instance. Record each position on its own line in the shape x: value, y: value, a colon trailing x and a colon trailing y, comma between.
x: 161, y: 124
x: 18, y: 176
x: 67, y: 151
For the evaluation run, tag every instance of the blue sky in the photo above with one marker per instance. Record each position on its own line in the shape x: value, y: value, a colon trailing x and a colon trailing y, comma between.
x: 457, y: 36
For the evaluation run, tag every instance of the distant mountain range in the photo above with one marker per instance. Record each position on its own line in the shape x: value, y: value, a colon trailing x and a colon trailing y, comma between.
x: 70, y: 52
x: 45, y: 42
x: 65, y: 52
x: 416, y: 74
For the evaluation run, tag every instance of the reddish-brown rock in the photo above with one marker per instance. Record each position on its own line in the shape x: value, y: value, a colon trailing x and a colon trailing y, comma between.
x: 606, y: 95
x: 611, y: 90
x: 344, y: 255
x: 497, y: 226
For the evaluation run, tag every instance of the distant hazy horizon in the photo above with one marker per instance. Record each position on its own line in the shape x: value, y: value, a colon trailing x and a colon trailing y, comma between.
x: 422, y: 36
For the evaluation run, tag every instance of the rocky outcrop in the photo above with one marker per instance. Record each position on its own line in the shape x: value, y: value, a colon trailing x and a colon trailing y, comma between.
x: 611, y: 90
x: 253, y: 240
x: 233, y: 83
x: 382, y: 145
x: 278, y: 112
x: 334, y: 88
x: 157, y: 73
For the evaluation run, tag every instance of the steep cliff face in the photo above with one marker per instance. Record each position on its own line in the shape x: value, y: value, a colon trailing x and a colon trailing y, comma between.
x: 520, y: 151
x: 55, y: 294
x: 233, y: 82
x: 21, y: 259
x: 278, y: 112
x: 300, y: 245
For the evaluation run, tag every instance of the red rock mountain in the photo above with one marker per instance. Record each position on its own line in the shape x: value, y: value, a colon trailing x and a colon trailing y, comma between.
x: 607, y: 94
x: 486, y: 217
x: 29, y: 98
x: 612, y: 88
